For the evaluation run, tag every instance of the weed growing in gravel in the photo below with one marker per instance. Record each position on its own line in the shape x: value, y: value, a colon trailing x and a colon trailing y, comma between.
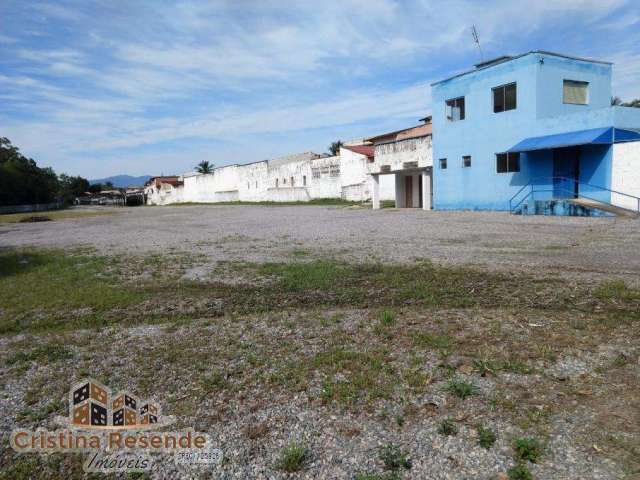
x: 387, y: 318
x: 429, y: 340
x: 615, y: 290
x: 519, y: 472
x: 486, y: 437
x: 394, y: 458
x: 447, y: 427
x: 43, y: 354
x: 461, y: 388
x: 528, y: 449
x: 292, y: 457
x: 214, y: 382
x: 377, y: 476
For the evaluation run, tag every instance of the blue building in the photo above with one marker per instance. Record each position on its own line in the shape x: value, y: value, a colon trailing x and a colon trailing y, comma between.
x: 521, y: 132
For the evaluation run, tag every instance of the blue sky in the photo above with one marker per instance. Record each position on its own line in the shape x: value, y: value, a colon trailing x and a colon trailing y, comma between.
x: 147, y: 87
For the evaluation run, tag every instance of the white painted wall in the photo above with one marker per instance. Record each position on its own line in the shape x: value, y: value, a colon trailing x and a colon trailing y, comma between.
x: 166, y: 194
x: 300, y: 177
x: 396, y: 154
x: 625, y: 174
x: 355, y: 181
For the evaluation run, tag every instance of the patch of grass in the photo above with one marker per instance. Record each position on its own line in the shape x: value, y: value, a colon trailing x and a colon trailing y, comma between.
x: 394, y: 458
x: 40, y: 290
x: 486, y: 437
x: 528, y: 449
x: 300, y: 253
x: 377, y: 476
x: 429, y: 340
x: 387, y: 318
x: 519, y: 472
x: 447, y: 427
x: 363, y: 376
x: 485, y: 367
x: 42, y: 354
x: 214, y: 382
x: 53, y: 215
x: 292, y: 458
x: 37, y: 415
x: 461, y: 388
x: 317, y: 275
x: 615, y: 291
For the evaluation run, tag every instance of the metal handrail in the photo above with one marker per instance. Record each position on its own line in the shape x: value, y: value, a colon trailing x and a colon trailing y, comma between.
x: 531, y: 185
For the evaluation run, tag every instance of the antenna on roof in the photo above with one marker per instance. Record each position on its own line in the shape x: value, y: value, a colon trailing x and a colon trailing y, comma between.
x: 476, y: 39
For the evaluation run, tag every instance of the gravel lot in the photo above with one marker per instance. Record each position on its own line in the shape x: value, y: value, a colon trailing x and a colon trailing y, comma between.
x: 590, y: 247
x: 553, y: 358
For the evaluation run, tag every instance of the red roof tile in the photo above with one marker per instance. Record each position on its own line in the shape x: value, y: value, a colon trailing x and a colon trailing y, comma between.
x: 366, y: 150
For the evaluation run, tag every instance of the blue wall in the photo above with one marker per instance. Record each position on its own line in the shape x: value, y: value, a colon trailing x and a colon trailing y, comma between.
x: 539, y: 111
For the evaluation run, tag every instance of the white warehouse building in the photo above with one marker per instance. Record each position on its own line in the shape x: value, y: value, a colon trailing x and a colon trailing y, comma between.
x: 378, y: 169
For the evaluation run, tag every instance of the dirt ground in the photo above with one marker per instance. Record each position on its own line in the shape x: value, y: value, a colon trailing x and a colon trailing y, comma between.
x: 334, y: 342
x: 589, y: 247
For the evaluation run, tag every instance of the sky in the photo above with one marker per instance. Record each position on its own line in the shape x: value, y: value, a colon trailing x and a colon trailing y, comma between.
x: 105, y: 87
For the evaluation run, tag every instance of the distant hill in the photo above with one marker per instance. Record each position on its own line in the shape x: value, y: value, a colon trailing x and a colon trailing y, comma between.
x: 123, y: 181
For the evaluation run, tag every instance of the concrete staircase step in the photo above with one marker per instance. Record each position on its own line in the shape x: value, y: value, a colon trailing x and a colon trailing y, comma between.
x: 606, y: 207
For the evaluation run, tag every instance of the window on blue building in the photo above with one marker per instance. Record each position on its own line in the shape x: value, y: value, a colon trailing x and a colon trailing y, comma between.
x: 455, y: 109
x: 466, y: 161
x: 507, y: 162
x: 504, y: 98
x: 443, y: 164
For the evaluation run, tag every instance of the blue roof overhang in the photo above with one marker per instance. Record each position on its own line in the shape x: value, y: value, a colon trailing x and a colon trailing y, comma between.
x: 594, y: 136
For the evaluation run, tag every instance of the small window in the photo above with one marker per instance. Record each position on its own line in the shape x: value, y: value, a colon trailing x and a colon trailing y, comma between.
x: 256, y: 184
x: 284, y: 181
x: 455, y: 109
x: 292, y: 182
x: 248, y: 185
x: 304, y: 180
x: 466, y: 161
x: 575, y: 92
x: 443, y: 164
x: 276, y: 183
x: 504, y: 98
x: 507, y: 162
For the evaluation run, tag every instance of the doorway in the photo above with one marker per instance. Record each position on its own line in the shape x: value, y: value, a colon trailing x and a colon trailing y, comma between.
x: 408, y: 191
x: 566, y: 172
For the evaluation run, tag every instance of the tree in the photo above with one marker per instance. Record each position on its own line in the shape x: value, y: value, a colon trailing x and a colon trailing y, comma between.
x: 205, y: 167
x: 617, y: 102
x: 334, y: 148
x: 72, y: 187
x: 21, y: 180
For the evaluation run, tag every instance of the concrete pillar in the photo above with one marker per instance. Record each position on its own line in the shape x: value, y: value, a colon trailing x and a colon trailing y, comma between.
x: 426, y: 189
x: 375, y: 194
x: 400, y: 195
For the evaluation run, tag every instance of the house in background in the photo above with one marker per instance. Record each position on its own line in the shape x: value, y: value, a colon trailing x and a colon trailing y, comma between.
x: 531, y: 132
x: 406, y: 157
x: 164, y: 190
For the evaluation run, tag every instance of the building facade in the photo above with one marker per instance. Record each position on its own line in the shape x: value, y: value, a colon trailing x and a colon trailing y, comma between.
x: 405, y: 157
x: 532, y: 128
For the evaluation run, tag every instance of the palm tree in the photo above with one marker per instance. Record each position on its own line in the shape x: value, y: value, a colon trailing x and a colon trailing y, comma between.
x: 334, y: 148
x: 204, y: 167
